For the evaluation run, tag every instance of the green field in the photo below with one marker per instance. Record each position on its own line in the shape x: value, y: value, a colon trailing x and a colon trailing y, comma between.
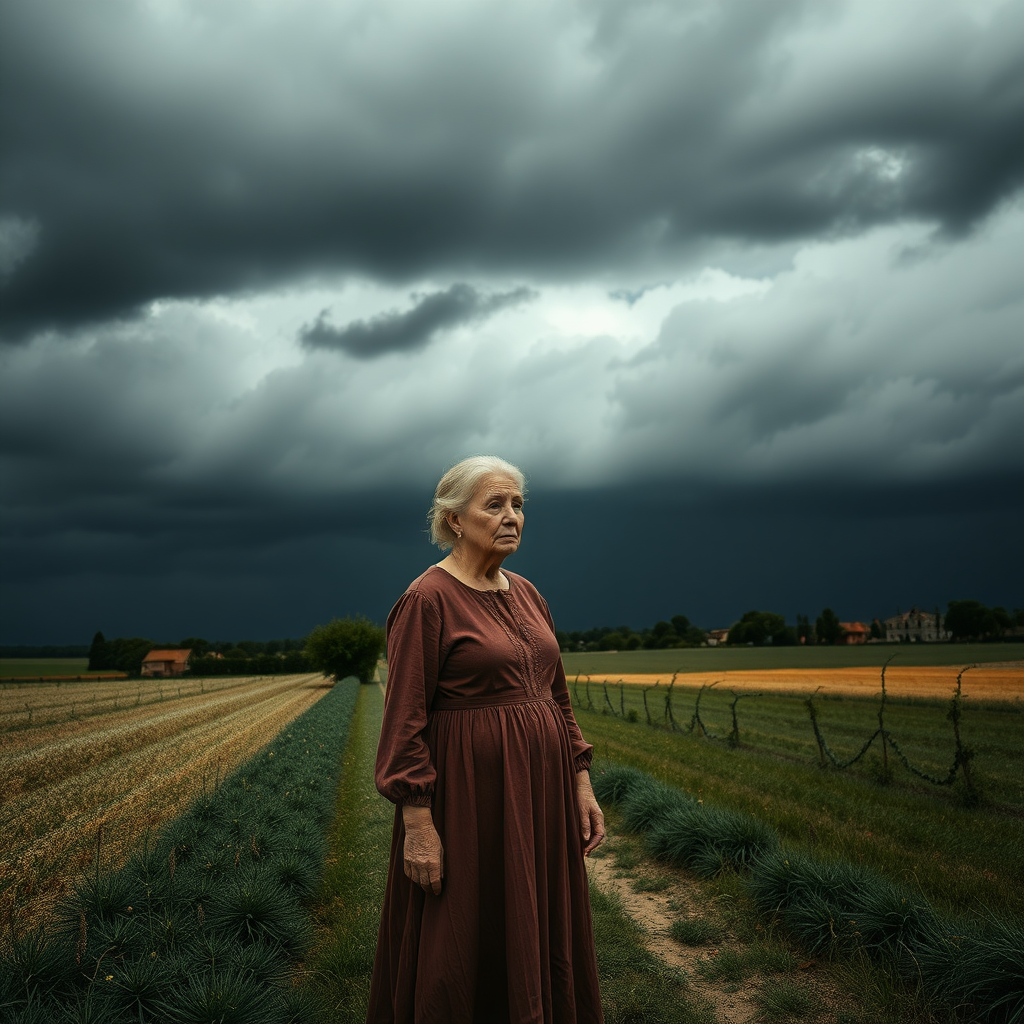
x: 45, y: 667
x: 963, y: 850
x: 962, y: 857
x: 725, y: 659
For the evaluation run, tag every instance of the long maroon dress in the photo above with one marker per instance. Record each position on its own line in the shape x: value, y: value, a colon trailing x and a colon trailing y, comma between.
x: 478, y: 726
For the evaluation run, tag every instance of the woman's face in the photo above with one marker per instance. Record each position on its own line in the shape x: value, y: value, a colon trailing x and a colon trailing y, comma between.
x: 493, y: 522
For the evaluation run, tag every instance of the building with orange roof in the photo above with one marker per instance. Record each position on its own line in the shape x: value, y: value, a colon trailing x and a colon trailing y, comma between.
x: 164, y: 664
x: 854, y: 633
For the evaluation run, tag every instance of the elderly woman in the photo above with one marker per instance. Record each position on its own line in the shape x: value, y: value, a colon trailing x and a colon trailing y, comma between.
x: 486, y: 914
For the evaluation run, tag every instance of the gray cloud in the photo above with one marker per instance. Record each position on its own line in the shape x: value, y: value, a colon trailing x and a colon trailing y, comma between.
x: 755, y: 265
x: 458, y: 306
x: 181, y: 155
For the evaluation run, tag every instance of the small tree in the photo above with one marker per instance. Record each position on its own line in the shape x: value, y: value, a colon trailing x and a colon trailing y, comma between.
x: 758, y: 628
x: 196, y: 644
x: 98, y: 654
x: 804, y: 630
x: 125, y: 654
x: 346, y: 647
x: 828, y: 628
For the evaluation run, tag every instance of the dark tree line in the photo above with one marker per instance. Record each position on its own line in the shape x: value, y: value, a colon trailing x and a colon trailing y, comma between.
x: 209, y: 658
x: 971, y: 620
x: 344, y: 647
x: 352, y: 646
x: 122, y: 654
x: 965, y: 620
x: 43, y: 650
x: 675, y: 632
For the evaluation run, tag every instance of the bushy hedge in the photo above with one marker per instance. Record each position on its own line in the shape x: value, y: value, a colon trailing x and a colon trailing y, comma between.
x: 830, y: 907
x: 205, y: 922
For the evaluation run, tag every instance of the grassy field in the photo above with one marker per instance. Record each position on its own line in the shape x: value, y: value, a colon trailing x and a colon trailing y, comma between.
x: 963, y: 858
x: 82, y: 760
x: 724, y: 659
x: 10, y: 667
x: 779, y: 724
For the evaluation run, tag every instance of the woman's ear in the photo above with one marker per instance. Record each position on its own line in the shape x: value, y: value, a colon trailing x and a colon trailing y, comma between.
x: 455, y: 525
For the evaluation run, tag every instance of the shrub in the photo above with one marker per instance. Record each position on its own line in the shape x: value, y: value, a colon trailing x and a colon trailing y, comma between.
x: 346, y: 647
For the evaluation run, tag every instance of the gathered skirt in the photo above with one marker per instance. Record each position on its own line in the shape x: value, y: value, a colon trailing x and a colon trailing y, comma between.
x: 510, y: 939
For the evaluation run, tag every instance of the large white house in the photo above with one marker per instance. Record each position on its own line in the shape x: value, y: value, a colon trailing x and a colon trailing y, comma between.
x: 915, y: 626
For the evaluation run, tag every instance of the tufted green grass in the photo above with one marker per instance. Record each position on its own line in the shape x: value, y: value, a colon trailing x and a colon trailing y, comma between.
x: 959, y: 857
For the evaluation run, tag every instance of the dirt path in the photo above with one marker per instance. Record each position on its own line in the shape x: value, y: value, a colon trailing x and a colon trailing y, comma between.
x: 732, y: 1004
x: 618, y: 870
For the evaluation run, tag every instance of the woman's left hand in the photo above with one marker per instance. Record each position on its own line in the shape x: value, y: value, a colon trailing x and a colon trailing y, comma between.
x: 591, y: 818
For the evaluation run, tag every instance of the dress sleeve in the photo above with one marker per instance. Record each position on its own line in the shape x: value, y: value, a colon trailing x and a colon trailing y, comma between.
x: 404, y: 772
x: 582, y: 751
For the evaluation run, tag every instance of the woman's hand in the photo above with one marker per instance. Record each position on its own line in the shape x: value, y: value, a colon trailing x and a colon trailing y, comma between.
x: 591, y: 818
x: 424, y: 855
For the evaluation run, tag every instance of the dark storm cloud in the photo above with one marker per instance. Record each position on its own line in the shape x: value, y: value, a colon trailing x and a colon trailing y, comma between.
x: 190, y: 150
x: 414, y: 329
x: 805, y: 389
x: 276, y: 567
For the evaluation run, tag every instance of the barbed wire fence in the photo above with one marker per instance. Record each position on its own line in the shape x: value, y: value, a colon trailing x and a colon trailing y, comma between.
x: 962, y: 754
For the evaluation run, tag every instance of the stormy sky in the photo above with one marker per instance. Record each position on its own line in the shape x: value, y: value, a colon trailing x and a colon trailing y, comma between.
x: 739, y: 286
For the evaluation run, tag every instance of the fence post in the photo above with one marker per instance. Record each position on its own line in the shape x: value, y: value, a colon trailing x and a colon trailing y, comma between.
x: 963, y: 754
x: 608, y: 700
x: 696, y: 711
x: 881, y: 723
x: 813, y: 711
x: 734, y: 736
x: 669, y: 717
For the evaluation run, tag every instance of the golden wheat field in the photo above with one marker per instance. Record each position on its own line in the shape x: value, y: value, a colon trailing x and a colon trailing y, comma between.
x: 988, y: 682
x: 116, y: 760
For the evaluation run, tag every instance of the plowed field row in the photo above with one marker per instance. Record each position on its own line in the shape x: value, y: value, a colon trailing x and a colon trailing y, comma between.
x: 136, y: 770
x: 26, y: 706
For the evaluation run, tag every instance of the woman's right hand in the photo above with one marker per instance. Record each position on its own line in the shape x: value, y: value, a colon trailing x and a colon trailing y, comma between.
x: 424, y: 855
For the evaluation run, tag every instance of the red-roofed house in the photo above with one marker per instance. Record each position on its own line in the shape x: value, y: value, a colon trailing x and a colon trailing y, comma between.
x: 165, y: 663
x: 854, y: 633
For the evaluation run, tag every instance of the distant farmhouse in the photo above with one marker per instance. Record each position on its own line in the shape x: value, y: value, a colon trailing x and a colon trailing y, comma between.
x: 717, y: 636
x: 164, y: 664
x: 915, y: 626
x: 854, y: 633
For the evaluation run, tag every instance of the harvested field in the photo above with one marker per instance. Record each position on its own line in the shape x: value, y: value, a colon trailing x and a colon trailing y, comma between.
x: 81, y: 760
x: 986, y: 682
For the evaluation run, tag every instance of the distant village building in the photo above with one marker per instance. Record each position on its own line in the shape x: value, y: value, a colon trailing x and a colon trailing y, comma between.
x: 854, y: 633
x: 717, y: 636
x: 915, y: 626
x: 163, y: 664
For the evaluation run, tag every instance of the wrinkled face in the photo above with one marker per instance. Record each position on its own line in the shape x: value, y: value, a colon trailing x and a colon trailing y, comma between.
x: 493, y: 522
